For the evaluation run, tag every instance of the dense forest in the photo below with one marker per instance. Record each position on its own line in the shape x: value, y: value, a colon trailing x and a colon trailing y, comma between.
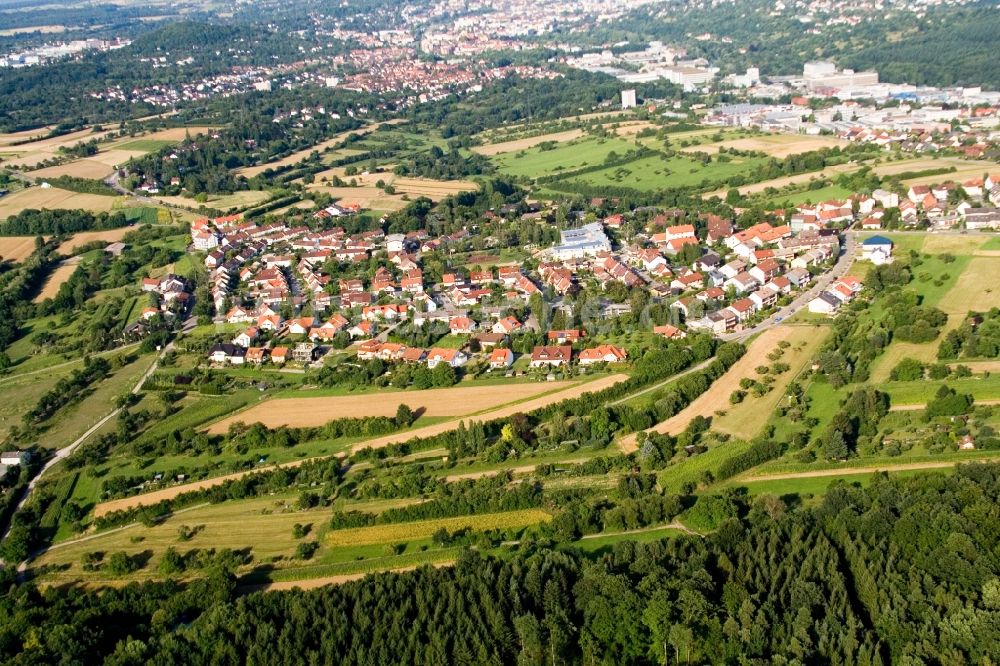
x: 34, y: 96
x: 902, y: 571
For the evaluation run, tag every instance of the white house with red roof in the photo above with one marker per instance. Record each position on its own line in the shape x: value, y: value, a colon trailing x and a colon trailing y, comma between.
x: 602, y: 354
x: 501, y: 359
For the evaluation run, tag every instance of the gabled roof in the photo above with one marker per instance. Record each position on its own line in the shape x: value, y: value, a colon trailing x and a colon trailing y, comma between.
x: 877, y: 240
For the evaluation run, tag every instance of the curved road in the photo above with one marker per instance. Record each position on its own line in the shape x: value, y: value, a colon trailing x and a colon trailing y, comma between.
x: 848, y: 251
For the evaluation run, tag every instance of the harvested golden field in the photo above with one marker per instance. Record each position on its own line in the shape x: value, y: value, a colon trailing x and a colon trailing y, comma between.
x: 83, y: 237
x: 56, y: 278
x: 432, y: 189
x: 8, y: 138
x: 53, y: 197
x: 97, y: 167
x: 455, y: 401
x: 241, y: 199
x: 87, y: 168
x: 379, y: 442
x: 16, y: 248
x: 171, y: 134
x: 31, y: 153
x: 774, y: 145
x: 951, y: 243
x: 716, y: 398
x: 778, y: 183
x: 367, y: 197
x: 528, y: 142
x: 365, y: 189
x: 976, y: 289
x: 630, y: 128
x: 748, y: 418
x: 43, y: 29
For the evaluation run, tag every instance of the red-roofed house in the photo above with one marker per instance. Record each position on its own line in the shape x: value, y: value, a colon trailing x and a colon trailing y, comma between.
x: 669, y: 332
x: 603, y: 354
x: 453, y: 357
x: 552, y: 356
x: 501, y: 359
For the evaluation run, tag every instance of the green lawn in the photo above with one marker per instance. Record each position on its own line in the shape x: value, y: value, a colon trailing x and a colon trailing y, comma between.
x: 919, y: 392
x: 691, y: 470
x: 601, y: 543
x: 72, y: 421
x: 145, y: 145
x: 818, y: 485
x: 656, y: 172
x: 808, y: 196
x: 585, y: 151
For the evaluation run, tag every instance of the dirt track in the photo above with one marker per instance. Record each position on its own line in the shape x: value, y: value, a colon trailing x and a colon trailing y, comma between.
x: 847, y: 471
x: 717, y: 397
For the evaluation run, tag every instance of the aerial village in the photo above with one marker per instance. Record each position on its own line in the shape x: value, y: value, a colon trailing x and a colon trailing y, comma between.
x: 724, y: 280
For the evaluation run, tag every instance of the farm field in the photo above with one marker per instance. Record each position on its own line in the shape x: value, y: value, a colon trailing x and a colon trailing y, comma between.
x: 81, y: 238
x: 630, y: 128
x: 379, y: 442
x: 111, y: 155
x: 366, y: 197
x: 96, y: 168
x: 265, y: 524
x: 74, y: 420
x: 31, y: 153
x: 455, y: 401
x: 56, y: 278
x: 16, y: 248
x: 777, y: 183
x: 241, y: 199
x: 534, y: 162
x: 964, y: 169
x: 810, y: 196
x: 422, y: 529
x: 717, y: 397
x: 655, y: 172
x: 905, y: 395
x: 774, y: 145
x: 818, y: 485
x: 432, y: 189
x: 526, y: 143
x: 748, y: 418
x: 53, y: 197
x: 44, y: 29
x: 975, y: 289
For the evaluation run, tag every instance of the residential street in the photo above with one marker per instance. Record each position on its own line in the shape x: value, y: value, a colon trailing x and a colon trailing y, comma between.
x: 847, y: 254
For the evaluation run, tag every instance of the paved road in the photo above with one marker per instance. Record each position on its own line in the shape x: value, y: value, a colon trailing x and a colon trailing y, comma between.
x: 847, y: 254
